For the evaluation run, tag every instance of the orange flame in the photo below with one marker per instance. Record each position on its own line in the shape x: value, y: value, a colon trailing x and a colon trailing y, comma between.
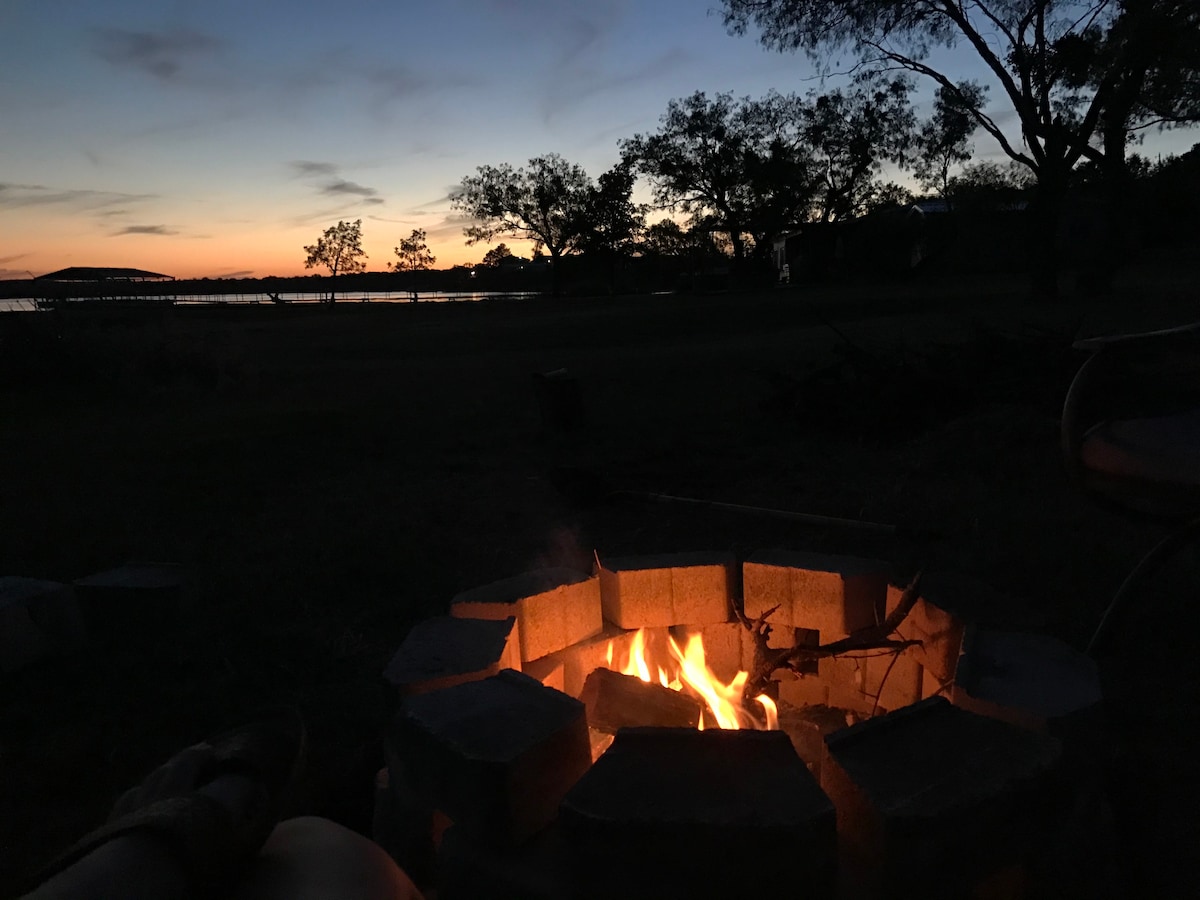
x: 723, y: 701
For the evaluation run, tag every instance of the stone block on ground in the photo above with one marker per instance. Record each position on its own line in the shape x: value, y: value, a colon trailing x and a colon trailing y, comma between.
x: 554, y: 608
x: 136, y: 592
x: 1032, y: 680
x: 52, y: 608
x: 667, y: 589
x: 674, y: 807
x: 495, y: 755
x: 444, y: 651
x: 832, y: 594
x: 935, y: 801
x: 470, y: 870
x: 939, y: 631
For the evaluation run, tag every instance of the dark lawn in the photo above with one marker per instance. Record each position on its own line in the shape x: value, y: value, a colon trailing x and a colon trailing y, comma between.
x: 332, y: 476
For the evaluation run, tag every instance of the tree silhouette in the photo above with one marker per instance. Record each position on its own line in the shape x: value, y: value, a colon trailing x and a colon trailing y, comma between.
x: 542, y: 203
x: 413, y: 253
x: 1034, y: 51
x: 945, y: 138
x: 340, y: 250
x: 851, y: 133
x: 610, y: 221
x: 739, y: 165
x: 492, y: 258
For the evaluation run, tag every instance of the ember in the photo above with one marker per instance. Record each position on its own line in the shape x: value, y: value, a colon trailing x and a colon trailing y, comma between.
x: 687, y: 670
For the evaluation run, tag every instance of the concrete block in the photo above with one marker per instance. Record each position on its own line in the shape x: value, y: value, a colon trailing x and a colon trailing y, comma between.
x: 765, y: 586
x: 1031, y: 680
x: 667, y: 589
x: 802, y: 690
x: 939, y: 631
x: 834, y: 595
x: 934, y: 801
x: 582, y: 659
x: 553, y: 607
x: 497, y: 755
x: 549, y: 670
x: 636, y: 598
x: 895, y: 679
x: 663, y: 801
x: 444, y: 651
x: 52, y: 608
x: 470, y: 870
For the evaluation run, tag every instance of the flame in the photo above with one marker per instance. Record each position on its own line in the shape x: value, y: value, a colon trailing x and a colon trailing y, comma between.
x: 723, y: 701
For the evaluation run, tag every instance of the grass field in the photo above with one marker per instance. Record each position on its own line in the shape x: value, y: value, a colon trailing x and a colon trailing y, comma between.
x: 331, y: 476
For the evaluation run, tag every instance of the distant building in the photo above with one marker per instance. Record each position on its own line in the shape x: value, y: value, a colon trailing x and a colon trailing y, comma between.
x: 104, y: 283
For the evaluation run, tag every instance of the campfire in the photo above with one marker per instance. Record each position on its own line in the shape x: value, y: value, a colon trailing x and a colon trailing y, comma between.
x: 563, y: 719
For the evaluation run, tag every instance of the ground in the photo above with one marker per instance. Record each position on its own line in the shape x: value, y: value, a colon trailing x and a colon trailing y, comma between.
x: 331, y: 476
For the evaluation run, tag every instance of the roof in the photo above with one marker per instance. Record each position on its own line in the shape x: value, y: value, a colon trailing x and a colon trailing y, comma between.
x: 91, y: 273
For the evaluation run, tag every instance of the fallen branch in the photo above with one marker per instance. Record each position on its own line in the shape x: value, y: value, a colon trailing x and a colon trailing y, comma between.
x: 874, y: 637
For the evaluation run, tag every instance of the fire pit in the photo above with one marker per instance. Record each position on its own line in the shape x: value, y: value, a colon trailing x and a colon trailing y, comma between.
x: 511, y: 706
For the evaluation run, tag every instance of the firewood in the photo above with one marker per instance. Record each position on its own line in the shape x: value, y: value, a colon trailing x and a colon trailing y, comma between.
x: 873, y: 638
x: 618, y: 701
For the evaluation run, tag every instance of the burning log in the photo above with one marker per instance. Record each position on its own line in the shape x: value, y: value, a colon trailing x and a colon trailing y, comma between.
x: 618, y: 701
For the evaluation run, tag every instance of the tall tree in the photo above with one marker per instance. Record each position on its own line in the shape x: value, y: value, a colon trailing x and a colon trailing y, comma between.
x: 340, y: 250
x: 945, y: 137
x: 413, y: 253
x: 610, y: 221
x: 492, y: 258
x: 1020, y: 42
x: 542, y: 203
x: 740, y: 165
x: 851, y: 133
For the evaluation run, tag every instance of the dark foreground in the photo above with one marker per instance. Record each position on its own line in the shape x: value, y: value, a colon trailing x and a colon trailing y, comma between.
x: 330, y: 477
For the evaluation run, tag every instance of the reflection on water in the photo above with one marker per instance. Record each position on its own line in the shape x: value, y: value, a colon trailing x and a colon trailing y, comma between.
x: 26, y: 303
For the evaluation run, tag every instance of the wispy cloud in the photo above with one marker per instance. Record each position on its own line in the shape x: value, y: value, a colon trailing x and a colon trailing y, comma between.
x: 13, y: 258
x: 576, y: 84
x: 20, y: 195
x: 164, y: 55
x: 342, y: 186
x: 240, y: 273
x: 305, y: 167
x: 145, y: 229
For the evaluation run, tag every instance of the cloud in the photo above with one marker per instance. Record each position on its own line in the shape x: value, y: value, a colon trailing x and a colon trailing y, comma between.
x: 306, y: 167
x: 240, y: 273
x: 145, y: 229
x: 341, y: 186
x: 20, y: 195
x: 163, y: 55
x: 13, y: 258
x: 576, y: 84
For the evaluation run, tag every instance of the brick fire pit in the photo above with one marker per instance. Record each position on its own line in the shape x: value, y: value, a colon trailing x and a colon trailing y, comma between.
x: 895, y: 770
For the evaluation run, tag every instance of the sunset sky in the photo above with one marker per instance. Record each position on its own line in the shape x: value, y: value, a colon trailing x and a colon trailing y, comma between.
x: 218, y: 138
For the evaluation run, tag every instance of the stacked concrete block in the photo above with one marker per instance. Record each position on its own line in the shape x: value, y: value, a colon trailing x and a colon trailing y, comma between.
x: 1031, y: 680
x: 495, y: 756
x: 939, y: 631
x: 553, y: 607
x: 893, y: 680
x: 445, y: 651
x: 834, y: 595
x: 934, y: 801
x: 664, y: 810
x: 573, y: 665
x: 667, y: 589
x: 727, y: 649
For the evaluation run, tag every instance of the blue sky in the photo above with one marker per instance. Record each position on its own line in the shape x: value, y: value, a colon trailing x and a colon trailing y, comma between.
x: 218, y: 138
